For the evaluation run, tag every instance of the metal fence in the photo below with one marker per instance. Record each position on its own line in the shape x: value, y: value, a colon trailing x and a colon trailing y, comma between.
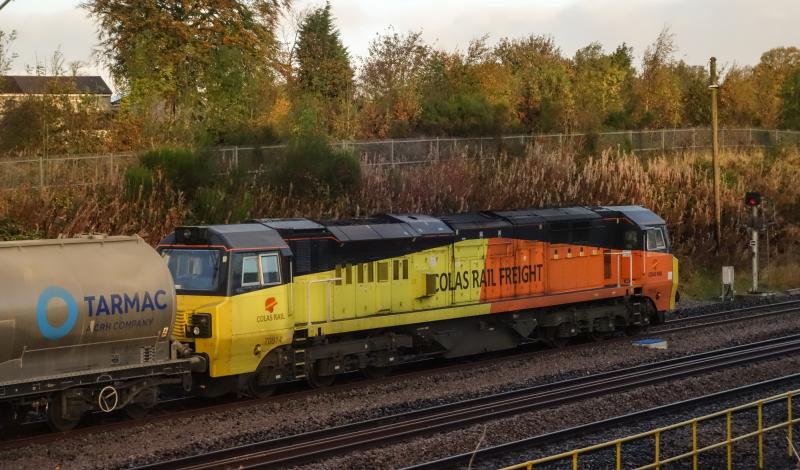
x: 55, y: 171
x: 703, y: 440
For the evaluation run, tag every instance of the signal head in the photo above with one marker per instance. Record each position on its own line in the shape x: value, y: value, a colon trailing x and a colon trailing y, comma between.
x: 752, y: 199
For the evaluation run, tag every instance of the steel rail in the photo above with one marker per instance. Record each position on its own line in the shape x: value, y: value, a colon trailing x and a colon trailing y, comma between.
x: 293, y: 450
x: 563, y: 435
x: 733, y: 311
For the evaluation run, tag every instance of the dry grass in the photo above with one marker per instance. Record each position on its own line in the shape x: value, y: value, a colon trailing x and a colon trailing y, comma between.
x: 676, y: 186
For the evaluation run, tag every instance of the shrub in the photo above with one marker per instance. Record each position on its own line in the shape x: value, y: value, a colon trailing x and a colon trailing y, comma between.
x: 138, y: 178
x: 187, y: 170
x: 310, y: 164
x: 10, y: 230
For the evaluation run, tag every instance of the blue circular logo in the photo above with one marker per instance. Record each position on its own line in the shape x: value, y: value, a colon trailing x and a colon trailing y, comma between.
x: 48, y: 330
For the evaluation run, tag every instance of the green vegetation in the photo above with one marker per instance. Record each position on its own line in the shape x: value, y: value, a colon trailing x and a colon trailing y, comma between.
x: 232, y: 82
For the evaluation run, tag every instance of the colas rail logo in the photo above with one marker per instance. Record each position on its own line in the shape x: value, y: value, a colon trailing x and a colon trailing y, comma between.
x: 101, y: 307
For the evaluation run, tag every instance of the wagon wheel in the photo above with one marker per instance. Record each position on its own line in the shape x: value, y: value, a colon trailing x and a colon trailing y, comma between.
x: 9, y: 419
x: 137, y: 410
x: 57, y: 414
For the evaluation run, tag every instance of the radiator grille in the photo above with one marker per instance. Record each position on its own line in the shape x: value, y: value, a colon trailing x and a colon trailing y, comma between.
x: 181, y: 320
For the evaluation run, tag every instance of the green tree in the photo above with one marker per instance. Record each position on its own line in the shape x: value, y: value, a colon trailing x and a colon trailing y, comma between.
x: 769, y: 74
x: 601, y: 84
x: 389, y: 84
x: 188, y: 69
x: 790, y: 101
x: 454, y: 98
x: 659, y: 91
x: 737, y: 106
x: 324, y: 72
x: 543, y: 95
x: 695, y: 102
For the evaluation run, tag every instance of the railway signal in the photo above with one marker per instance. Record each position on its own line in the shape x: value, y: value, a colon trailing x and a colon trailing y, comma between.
x: 753, y: 199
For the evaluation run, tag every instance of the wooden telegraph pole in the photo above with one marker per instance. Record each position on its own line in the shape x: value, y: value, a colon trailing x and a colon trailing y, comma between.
x: 714, y: 86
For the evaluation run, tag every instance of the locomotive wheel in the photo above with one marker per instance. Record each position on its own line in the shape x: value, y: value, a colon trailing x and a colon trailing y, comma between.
x: 557, y: 342
x: 373, y: 372
x: 256, y: 390
x: 55, y: 414
x: 596, y: 336
x: 634, y: 330
x: 319, y: 381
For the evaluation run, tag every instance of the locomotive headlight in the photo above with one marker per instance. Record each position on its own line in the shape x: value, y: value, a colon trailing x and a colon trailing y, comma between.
x: 200, y: 325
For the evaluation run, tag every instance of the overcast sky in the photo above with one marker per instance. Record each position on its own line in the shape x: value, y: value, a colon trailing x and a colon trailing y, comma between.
x: 733, y: 30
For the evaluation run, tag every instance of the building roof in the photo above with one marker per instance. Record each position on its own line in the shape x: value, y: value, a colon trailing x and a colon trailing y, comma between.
x: 30, y: 84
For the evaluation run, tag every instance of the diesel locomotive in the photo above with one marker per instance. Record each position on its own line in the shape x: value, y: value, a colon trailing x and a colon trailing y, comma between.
x: 278, y: 300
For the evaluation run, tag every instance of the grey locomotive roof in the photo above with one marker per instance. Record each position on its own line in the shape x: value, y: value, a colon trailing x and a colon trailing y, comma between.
x: 474, y: 221
x: 234, y: 236
x: 566, y: 214
x: 35, y: 85
x: 521, y: 217
x: 293, y: 224
x: 353, y: 233
x: 271, y: 232
x: 423, y: 224
x: 638, y: 214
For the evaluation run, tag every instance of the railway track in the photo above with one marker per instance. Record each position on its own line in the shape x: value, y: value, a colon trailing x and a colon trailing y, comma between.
x: 303, y: 448
x: 485, y: 456
x: 36, y: 433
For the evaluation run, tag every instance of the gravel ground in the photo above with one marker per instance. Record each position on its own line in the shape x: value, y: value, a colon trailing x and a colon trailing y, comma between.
x: 676, y: 442
x: 688, y: 308
x: 441, y: 445
x: 140, y: 444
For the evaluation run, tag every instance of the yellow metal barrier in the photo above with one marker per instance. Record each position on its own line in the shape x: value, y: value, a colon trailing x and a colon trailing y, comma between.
x: 657, y: 434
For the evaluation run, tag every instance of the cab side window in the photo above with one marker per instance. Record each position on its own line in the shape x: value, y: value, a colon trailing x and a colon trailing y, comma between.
x: 270, y: 270
x: 631, y: 240
x: 655, y: 240
x: 250, y: 272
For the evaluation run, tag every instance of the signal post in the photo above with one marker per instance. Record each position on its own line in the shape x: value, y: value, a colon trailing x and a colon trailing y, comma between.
x: 753, y: 200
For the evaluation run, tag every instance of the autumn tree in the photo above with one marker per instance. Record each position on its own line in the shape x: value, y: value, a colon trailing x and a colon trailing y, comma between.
x: 737, y: 102
x: 768, y: 76
x: 542, y: 90
x: 324, y: 73
x: 601, y: 87
x: 659, y: 91
x: 695, y: 103
x: 790, y: 101
x: 189, y: 69
x: 390, y: 84
x: 454, y: 98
